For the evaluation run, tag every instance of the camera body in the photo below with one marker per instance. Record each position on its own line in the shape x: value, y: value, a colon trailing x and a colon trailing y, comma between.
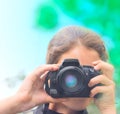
x: 70, y: 80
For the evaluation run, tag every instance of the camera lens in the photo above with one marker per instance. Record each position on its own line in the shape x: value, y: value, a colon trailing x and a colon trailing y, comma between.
x: 70, y: 81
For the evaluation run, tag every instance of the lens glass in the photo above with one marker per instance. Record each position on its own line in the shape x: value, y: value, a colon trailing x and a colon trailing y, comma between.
x: 70, y: 80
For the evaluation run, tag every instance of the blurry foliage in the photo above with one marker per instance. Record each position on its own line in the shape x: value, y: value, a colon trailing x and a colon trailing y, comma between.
x: 14, y: 80
x: 46, y: 16
x: 100, y: 15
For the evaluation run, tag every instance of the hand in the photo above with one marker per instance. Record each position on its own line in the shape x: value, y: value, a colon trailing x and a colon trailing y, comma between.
x: 32, y: 92
x: 106, y: 68
x: 106, y: 103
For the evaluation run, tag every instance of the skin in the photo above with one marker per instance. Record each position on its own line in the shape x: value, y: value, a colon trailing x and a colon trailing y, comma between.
x: 32, y: 93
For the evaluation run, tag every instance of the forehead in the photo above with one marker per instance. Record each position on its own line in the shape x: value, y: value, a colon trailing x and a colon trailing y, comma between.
x: 85, y: 55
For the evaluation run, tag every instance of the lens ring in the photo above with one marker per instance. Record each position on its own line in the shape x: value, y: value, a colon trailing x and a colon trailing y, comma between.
x: 75, y: 85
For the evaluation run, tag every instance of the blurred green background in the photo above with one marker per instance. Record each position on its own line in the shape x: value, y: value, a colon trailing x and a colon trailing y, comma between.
x: 102, y: 16
x: 47, y: 17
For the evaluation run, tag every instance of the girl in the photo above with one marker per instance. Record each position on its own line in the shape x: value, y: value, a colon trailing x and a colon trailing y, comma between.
x: 76, y: 43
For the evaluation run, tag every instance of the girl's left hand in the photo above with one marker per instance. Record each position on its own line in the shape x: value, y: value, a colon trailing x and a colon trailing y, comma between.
x: 106, y: 102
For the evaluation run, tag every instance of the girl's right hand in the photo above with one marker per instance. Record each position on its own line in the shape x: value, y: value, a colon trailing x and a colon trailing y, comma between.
x: 32, y: 92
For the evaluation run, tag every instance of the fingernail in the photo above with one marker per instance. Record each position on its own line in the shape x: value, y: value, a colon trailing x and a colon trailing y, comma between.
x: 95, y: 67
x: 89, y: 85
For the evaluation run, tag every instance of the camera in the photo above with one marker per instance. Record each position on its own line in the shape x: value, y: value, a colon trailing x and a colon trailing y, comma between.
x: 70, y: 80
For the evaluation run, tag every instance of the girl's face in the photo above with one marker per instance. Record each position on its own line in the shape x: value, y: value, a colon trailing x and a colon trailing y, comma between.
x: 86, y: 57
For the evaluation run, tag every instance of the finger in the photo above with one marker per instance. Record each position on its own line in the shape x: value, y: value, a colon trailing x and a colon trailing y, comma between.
x: 101, y: 79
x: 98, y: 89
x: 42, y: 79
x: 102, y: 65
x: 43, y: 76
x: 96, y: 62
x: 98, y: 65
x: 41, y: 70
x: 108, y: 90
x: 105, y: 67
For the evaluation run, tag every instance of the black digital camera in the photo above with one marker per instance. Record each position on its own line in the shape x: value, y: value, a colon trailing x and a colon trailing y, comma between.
x: 71, y: 80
